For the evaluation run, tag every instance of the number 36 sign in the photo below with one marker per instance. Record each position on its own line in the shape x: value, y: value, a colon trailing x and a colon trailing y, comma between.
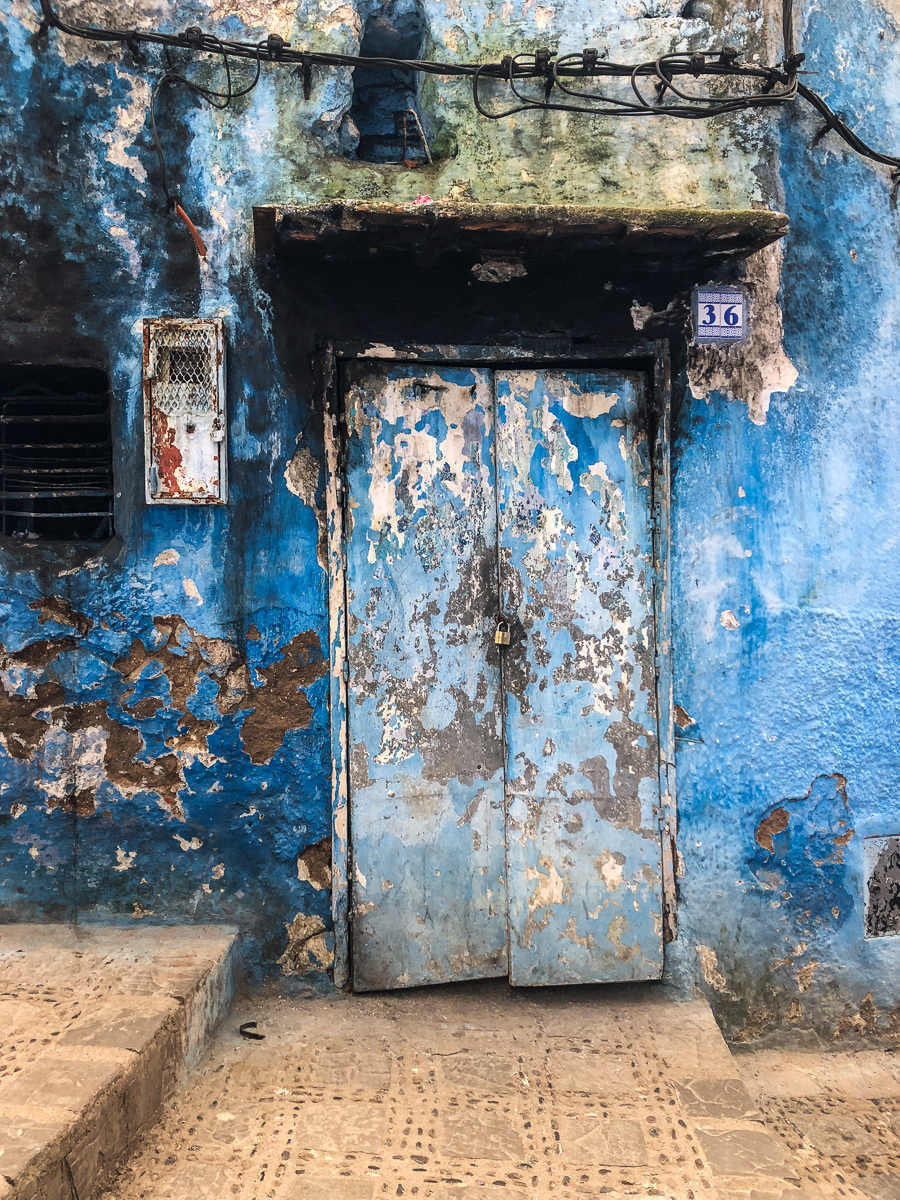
x: 720, y: 314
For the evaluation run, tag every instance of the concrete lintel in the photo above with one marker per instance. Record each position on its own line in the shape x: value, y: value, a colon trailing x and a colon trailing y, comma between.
x: 342, y: 227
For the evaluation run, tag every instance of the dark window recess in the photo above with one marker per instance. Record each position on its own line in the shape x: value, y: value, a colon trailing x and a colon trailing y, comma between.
x: 385, y: 108
x: 55, y: 454
x: 883, y: 879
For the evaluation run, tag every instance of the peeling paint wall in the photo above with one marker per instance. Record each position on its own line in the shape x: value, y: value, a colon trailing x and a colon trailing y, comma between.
x: 165, y: 752
x: 786, y: 555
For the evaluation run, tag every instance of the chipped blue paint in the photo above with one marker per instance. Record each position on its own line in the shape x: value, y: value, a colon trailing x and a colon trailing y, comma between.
x: 798, y: 686
x: 425, y: 721
x: 480, y: 771
x: 583, y: 764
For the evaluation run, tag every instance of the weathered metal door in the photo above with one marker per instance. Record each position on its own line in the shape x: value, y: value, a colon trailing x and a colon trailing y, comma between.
x: 502, y: 799
x: 574, y: 490
x: 428, y: 889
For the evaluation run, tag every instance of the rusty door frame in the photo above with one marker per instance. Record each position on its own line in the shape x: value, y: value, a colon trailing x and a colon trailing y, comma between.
x: 654, y: 358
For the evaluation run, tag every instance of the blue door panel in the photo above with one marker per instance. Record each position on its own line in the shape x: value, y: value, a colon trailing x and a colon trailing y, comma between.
x: 576, y: 562
x: 428, y: 886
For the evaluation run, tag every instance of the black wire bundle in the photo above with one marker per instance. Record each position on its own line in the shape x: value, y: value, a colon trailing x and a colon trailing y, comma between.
x: 213, y: 98
x: 552, y: 79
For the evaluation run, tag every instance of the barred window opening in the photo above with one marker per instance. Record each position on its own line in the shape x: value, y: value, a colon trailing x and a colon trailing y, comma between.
x: 56, y: 479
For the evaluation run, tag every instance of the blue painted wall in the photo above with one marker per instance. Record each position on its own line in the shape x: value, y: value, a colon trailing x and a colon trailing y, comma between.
x: 786, y: 519
x: 792, y: 526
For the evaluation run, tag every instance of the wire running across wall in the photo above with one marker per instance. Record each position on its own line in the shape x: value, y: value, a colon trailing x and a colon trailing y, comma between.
x: 689, y: 86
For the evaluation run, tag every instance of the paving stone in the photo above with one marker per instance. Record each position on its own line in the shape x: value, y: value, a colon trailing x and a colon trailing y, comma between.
x: 594, y: 1072
x: 863, y: 1075
x: 579, y: 1021
x: 775, y: 1074
x: 472, y: 1072
x: 194, y: 1180
x: 471, y: 1133
x: 58, y: 1083
x: 744, y: 1152
x: 116, y: 1028
x: 347, y: 1128
x: 726, y: 1099
x: 347, y: 1070
x: 835, y: 1135
x: 265, y: 1067
x: 877, y: 1187
x: 805, y: 1193
x: 690, y: 1055
x: 308, y: 1187
x: 21, y: 1139
x: 464, y: 1192
x: 607, y: 1142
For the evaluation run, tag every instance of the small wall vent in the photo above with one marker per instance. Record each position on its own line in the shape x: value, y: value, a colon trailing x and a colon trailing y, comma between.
x: 184, y: 411
x: 55, y: 454
x: 882, y: 867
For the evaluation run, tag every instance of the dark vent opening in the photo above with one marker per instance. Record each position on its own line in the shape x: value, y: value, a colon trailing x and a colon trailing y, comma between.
x: 883, y: 882
x: 383, y: 96
x: 55, y: 454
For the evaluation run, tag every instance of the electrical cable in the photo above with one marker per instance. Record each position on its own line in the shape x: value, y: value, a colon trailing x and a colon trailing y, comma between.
x: 751, y: 86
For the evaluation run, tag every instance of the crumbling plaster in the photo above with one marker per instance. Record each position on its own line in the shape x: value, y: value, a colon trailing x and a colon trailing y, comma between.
x: 787, y: 756
x: 169, y: 760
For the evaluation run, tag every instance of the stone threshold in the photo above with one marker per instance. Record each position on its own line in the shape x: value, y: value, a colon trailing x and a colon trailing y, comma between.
x: 100, y: 1026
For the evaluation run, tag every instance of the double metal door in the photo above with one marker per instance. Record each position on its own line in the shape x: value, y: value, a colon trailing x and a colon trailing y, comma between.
x: 503, y: 798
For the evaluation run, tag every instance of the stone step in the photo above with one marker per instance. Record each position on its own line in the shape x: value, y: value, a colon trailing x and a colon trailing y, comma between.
x: 100, y: 1025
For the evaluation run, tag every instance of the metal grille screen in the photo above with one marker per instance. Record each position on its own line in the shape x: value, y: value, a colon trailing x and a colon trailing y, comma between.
x: 185, y: 371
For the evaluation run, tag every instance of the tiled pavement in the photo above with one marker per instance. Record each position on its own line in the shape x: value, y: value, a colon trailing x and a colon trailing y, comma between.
x: 96, y: 1028
x: 463, y: 1093
x: 838, y: 1114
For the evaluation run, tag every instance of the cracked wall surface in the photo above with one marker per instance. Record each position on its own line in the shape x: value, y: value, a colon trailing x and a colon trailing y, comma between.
x: 787, y: 760
x: 164, y: 726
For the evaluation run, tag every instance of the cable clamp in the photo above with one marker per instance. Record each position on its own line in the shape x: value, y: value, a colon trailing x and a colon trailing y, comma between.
x: 194, y: 37
x: 275, y: 44
x: 131, y: 41
x: 775, y: 77
x: 835, y: 121
x: 728, y: 56
x: 542, y: 61
x: 306, y: 71
x: 589, y: 60
x: 792, y: 64
x: 698, y: 65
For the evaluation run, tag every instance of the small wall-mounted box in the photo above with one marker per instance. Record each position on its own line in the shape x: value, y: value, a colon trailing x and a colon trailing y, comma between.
x: 184, y: 411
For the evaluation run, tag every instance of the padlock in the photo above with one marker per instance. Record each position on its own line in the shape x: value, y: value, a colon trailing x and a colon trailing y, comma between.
x: 501, y: 637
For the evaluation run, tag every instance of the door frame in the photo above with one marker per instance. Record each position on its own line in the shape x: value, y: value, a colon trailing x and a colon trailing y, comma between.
x: 650, y: 356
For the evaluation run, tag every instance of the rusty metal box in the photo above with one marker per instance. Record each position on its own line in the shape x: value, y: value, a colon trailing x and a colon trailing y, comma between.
x: 184, y: 411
